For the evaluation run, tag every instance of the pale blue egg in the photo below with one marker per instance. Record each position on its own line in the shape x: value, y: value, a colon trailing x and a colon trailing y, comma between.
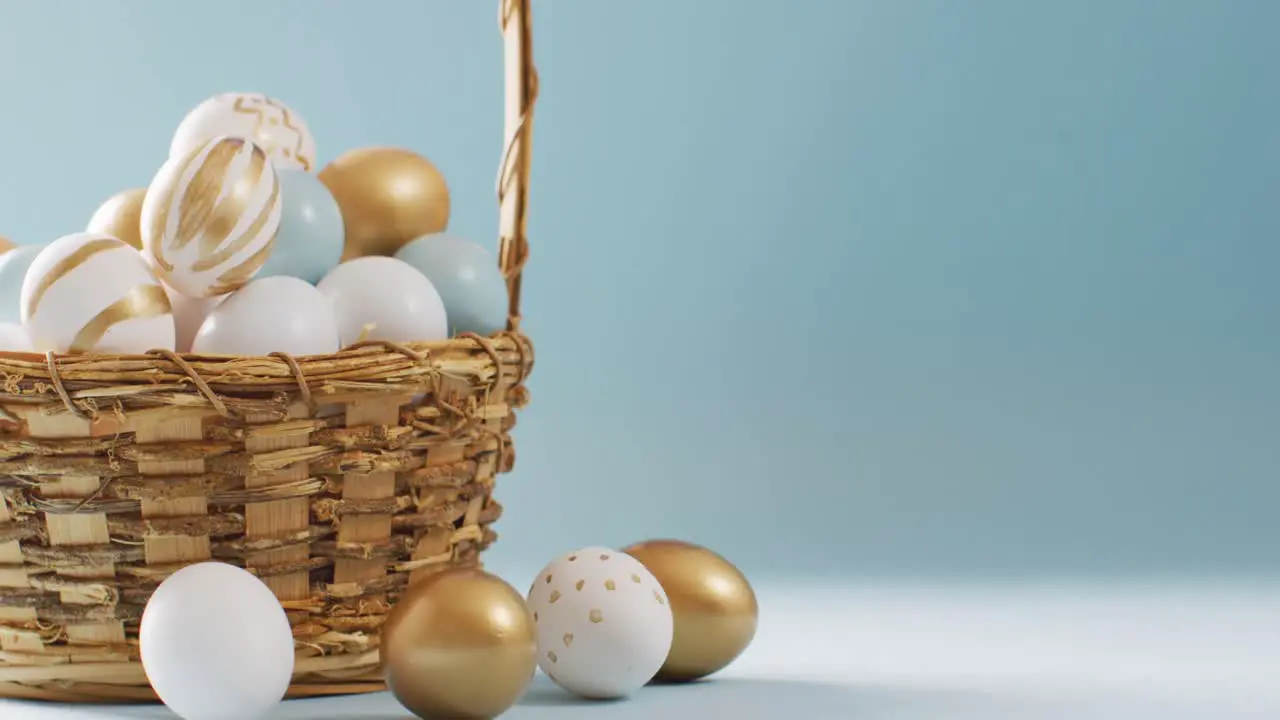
x: 13, y: 269
x: 468, y: 279
x: 310, y: 240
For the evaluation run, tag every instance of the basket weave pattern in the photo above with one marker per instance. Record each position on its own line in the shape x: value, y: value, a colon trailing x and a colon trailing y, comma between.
x: 337, y: 479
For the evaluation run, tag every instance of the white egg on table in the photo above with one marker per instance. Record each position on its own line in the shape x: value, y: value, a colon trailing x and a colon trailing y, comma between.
x: 89, y: 292
x: 267, y: 122
x: 210, y: 217
x: 604, y: 624
x: 382, y: 298
x: 14, y: 338
x: 216, y: 644
x: 272, y: 314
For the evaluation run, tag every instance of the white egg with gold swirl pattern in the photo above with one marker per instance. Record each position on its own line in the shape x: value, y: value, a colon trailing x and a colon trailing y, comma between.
x: 211, y: 216
x: 91, y: 292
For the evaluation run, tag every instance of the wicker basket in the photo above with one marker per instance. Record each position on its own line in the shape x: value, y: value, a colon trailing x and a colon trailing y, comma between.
x: 335, y: 479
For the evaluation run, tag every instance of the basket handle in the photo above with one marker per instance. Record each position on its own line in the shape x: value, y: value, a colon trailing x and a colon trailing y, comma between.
x: 513, y: 174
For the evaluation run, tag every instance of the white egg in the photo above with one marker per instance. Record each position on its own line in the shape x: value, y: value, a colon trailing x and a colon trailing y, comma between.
x: 14, y: 338
x: 267, y: 122
x: 89, y: 292
x: 382, y: 298
x: 604, y: 625
x: 210, y: 217
x: 13, y: 268
x: 216, y: 644
x: 189, y: 314
x: 272, y: 314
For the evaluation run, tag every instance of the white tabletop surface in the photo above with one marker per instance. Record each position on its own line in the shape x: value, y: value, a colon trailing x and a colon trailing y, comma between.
x: 958, y: 653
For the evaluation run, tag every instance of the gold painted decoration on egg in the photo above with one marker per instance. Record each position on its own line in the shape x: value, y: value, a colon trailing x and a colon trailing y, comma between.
x: 211, y: 216
x: 263, y: 120
x: 91, y: 292
x: 65, y: 265
x: 140, y: 302
x: 273, y: 119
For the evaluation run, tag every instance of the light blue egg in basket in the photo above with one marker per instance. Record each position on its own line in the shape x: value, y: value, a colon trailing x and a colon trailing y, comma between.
x: 467, y: 277
x: 13, y: 269
x: 311, y: 235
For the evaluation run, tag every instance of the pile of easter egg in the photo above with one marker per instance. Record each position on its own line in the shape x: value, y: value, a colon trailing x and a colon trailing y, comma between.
x: 239, y: 246
x: 463, y: 643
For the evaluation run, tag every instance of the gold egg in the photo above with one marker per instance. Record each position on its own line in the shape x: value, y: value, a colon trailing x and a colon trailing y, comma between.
x: 713, y: 605
x: 388, y: 196
x: 459, y: 644
x: 6, y: 244
x: 121, y: 217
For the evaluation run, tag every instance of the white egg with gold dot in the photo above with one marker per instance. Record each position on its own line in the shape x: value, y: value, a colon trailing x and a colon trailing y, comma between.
x: 210, y: 217
x: 265, y: 121
x: 91, y: 292
x: 604, y: 624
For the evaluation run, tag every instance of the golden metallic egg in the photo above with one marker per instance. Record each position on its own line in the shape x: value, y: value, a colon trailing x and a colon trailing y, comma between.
x: 6, y: 244
x: 121, y: 217
x: 459, y: 644
x: 388, y: 196
x: 713, y: 605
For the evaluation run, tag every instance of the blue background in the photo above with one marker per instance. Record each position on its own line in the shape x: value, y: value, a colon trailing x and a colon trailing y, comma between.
x: 836, y: 287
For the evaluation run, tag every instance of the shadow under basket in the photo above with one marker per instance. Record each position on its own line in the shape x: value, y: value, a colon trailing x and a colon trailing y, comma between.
x: 336, y: 480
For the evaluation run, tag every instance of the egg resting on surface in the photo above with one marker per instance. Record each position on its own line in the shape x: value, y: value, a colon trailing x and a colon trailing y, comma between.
x: 604, y: 623
x: 459, y: 644
x: 216, y: 644
x: 714, y: 606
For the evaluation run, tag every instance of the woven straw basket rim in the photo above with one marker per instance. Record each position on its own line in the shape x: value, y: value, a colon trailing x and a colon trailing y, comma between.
x: 337, y: 479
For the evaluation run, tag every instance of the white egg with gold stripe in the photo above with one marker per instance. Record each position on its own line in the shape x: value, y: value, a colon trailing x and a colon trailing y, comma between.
x: 210, y: 217
x: 91, y: 292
